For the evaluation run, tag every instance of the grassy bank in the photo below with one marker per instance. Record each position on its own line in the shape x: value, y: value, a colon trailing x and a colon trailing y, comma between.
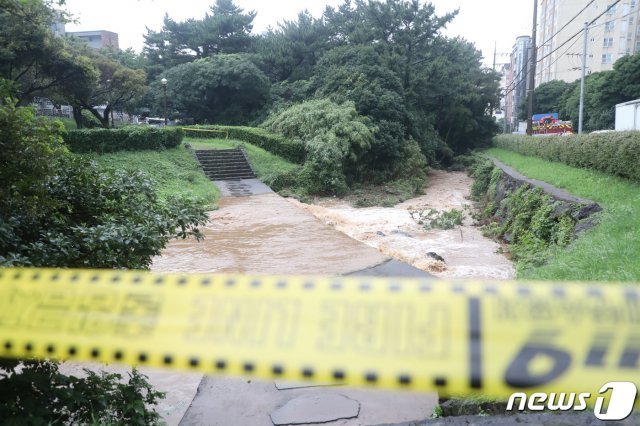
x: 266, y: 165
x: 175, y: 170
x: 608, y: 252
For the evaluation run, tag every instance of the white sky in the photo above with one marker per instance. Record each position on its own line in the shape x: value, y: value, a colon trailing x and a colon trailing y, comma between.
x: 483, y: 22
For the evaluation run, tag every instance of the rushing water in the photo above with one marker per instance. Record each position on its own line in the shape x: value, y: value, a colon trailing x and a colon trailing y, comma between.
x: 265, y: 234
x: 467, y: 253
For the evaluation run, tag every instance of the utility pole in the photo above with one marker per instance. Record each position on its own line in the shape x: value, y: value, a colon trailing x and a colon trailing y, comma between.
x: 495, y: 53
x: 584, y: 70
x: 532, y: 70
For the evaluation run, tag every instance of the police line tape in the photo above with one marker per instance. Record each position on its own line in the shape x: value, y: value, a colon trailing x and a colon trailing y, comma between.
x: 457, y: 338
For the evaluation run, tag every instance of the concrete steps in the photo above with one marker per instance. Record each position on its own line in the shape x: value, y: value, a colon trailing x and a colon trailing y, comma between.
x: 224, y: 164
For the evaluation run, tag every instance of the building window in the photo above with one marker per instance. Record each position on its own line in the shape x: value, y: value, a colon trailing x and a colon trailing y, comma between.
x: 611, y: 9
x: 607, y: 42
x: 623, y: 43
x: 623, y: 26
x: 609, y: 26
x: 606, y: 58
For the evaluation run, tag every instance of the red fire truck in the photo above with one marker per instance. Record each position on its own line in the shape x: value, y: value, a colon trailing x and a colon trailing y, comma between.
x: 548, y: 124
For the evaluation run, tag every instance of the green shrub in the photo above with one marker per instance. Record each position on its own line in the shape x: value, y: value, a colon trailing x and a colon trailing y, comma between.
x: 481, y: 174
x: 434, y: 219
x: 131, y: 138
x: 36, y: 393
x: 336, y: 139
x: 528, y: 218
x: 289, y: 149
x: 614, y: 153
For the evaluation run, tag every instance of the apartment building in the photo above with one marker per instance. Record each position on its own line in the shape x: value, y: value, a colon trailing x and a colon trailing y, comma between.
x: 97, y: 39
x: 614, y: 34
x: 517, y: 81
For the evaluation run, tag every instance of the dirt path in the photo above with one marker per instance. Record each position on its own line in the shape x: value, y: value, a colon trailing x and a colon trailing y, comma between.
x: 467, y: 253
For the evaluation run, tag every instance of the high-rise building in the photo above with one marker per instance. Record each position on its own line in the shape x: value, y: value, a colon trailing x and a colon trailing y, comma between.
x: 614, y: 34
x: 97, y: 39
x: 517, y: 80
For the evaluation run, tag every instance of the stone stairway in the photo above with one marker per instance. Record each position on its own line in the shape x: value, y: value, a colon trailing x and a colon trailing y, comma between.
x: 225, y: 164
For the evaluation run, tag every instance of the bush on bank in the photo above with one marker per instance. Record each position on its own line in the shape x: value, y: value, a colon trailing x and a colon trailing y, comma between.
x: 289, y: 149
x: 130, y: 138
x: 614, y: 153
x: 527, y: 218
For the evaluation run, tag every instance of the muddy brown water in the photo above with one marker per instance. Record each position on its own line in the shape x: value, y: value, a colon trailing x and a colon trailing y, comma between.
x: 392, y: 231
x: 267, y: 234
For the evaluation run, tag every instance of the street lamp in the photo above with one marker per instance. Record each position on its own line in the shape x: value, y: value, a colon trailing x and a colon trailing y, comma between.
x: 164, y: 88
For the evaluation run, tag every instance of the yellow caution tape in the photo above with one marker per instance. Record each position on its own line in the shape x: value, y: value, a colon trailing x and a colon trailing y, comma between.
x: 456, y: 338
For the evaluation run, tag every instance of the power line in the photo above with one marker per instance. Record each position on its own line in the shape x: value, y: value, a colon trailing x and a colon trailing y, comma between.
x: 567, y: 24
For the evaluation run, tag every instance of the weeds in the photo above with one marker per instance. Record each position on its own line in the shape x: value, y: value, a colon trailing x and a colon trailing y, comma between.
x: 435, y: 219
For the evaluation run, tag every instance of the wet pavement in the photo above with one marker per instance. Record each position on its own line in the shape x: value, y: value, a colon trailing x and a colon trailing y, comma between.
x: 255, y: 231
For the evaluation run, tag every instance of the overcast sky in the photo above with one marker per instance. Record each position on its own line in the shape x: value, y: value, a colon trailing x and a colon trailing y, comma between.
x: 483, y: 22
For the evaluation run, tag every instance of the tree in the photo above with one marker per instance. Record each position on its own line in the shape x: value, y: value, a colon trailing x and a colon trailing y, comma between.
x: 362, y: 74
x: 336, y: 137
x: 455, y: 93
x: 105, y: 82
x: 59, y: 210
x: 32, y: 58
x: 226, y: 30
x: 546, y: 98
x: 225, y: 89
x: 291, y: 51
x: 599, y: 102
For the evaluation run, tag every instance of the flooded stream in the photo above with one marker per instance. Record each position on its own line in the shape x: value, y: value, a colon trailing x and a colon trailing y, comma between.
x: 392, y: 231
x: 267, y: 234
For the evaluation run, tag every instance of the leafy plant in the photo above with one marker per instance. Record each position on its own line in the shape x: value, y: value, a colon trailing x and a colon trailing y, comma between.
x: 615, y: 153
x: 35, y: 392
x: 435, y: 219
x: 335, y: 137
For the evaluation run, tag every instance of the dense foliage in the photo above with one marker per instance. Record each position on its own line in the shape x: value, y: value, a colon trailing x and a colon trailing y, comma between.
x: 131, y: 138
x: 387, y: 58
x: 60, y: 210
x: 223, y: 89
x: 603, y: 90
x: 55, y: 398
x: 615, y: 153
x: 532, y: 222
x: 335, y: 136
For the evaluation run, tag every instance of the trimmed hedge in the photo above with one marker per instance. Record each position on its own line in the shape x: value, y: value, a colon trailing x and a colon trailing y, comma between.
x: 294, y: 151
x: 131, y: 138
x: 615, y: 153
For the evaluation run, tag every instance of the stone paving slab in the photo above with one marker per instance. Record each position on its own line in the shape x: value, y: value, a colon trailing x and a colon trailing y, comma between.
x: 317, y: 408
x: 225, y: 400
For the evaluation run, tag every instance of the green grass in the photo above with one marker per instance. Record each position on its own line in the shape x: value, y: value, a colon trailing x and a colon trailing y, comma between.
x: 68, y: 123
x: 265, y: 164
x: 608, y: 252
x: 175, y: 170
